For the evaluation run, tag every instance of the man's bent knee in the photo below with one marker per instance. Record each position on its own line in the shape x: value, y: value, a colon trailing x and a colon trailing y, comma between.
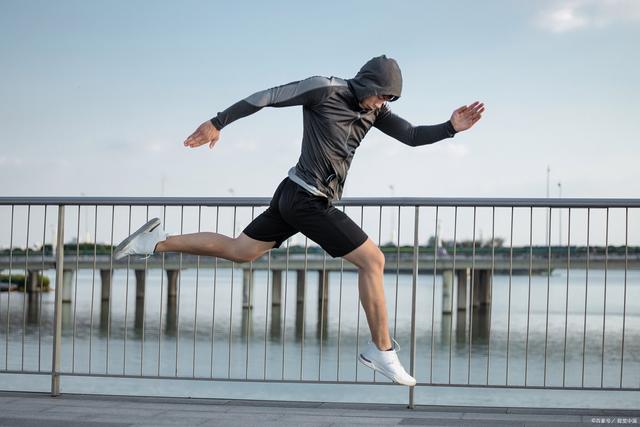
x: 367, y: 257
x: 246, y: 249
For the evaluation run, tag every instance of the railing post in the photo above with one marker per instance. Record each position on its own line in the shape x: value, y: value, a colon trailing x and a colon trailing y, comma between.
x: 57, y: 317
x: 412, y: 353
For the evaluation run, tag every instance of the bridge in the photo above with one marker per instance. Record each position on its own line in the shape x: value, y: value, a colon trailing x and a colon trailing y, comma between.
x: 475, y: 271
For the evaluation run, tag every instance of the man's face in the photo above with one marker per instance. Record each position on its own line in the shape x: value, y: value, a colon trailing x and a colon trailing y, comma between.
x: 374, y: 102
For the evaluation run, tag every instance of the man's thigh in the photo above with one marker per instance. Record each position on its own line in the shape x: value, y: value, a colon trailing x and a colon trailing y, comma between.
x: 332, y: 229
x: 269, y: 227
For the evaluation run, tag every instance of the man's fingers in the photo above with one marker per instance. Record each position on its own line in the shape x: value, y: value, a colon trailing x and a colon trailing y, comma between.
x: 195, y: 140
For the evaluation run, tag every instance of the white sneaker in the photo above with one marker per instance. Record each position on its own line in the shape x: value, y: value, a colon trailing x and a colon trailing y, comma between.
x: 143, y: 241
x: 387, y: 363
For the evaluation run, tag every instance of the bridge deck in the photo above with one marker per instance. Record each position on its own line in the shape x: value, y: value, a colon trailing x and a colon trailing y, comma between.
x: 34, y: 409
x: 318, y: 262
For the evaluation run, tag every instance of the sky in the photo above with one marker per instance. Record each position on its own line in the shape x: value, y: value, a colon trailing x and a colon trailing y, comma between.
x: 96, y: 98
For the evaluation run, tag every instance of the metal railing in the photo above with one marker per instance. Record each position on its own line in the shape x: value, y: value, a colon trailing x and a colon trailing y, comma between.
x: 515, y: 310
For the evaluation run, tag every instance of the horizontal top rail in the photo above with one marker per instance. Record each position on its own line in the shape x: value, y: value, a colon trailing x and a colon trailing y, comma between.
x: 351, y: 201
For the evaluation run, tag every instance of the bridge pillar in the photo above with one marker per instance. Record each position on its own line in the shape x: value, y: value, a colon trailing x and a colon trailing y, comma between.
x: 276, y: 288
x: 462, y: 276
x: 323, y: 302
x: 172, y: 283
x: 323, y: 287
x: 140, y: 283
x: 247, y: 288
x: 300, y: 285
x: 482, y: 288
x: 67, y: 285
x: 31, y: 281
x: 447, y: 291
x: 105, y: 278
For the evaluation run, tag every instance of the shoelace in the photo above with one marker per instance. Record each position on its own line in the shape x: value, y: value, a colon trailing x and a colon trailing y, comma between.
x: 397, y: 347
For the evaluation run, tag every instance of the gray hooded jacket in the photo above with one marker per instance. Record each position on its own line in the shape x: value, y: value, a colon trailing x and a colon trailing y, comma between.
x: 334, y: 122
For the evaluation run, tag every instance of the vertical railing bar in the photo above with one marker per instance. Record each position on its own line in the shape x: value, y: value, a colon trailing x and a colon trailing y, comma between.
x: 471, y: 300
x: 213, y: 308
x: 566, y: 303
x: 453, y: 269
x: 57, y: 316
x: 604, y: 310
x: 546, y: 327
x: 144, y: 301
x: 304, y: 297
x: 249, y: 309
x: 395, y: 303
x: 339, y: 316
x: 586, y: 298
x: 358, y: 309
x: 284, y: 317
x: 506, y: 378
x: 93, y: 282
x: 178, y: 294
x: 379, y: 246
x: 24, y: 288
x: 624, y: 298
x: 414, y: 287
x: 433, y: 295
x: 195, y: 314
x: 162, y: 273
x: 126, y: 293
x: 6, y: 346
x: 213, y: 317
x: 266, y: 315
x: 106, y: 371
x: 324, y: 289
x: 41, y: 290
x: 233, y: 267
x: 493, y: 266
x: 75, y: 297
x: 526, y: 345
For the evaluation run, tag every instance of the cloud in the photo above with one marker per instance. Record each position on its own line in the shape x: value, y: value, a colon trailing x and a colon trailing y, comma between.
x: 573, y: 15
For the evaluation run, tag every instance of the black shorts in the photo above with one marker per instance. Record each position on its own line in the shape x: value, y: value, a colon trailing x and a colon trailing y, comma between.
x: 293, y: 209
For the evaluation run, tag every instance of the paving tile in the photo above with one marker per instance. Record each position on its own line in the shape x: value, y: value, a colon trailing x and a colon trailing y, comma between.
x: 524, y: 417
x: 39, y: 415
x: 132, y: 420
x: 449, y: 422
x: 341, y: 419
x: 115, y: 412
x: 22, y: 422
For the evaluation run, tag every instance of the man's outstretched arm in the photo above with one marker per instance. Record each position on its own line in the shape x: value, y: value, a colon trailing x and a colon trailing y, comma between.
x: 396, y: 127
x: 306, y: 92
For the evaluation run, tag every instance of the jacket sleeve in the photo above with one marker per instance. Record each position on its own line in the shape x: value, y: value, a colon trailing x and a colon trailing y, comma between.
x: 306, y: 92
x: 400, y: 129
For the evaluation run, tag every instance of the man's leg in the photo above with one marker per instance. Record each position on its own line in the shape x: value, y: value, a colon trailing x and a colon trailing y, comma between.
x: 370, y: 262
x: 241, y: 249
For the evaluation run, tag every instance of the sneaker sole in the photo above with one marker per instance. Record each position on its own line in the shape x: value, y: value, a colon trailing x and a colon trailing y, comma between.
x: 124, y: 245
x: 371, y: 365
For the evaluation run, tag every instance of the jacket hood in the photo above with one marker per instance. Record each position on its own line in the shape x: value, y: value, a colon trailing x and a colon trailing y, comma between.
x: 379, y: 76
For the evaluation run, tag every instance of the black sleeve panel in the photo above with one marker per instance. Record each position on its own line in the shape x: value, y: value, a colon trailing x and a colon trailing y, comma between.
x: 308, y: 92
x: 400, y: 129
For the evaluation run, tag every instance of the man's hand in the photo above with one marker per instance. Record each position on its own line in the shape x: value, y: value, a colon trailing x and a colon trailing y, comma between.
x: 205, y: 134
x: 466, y: 116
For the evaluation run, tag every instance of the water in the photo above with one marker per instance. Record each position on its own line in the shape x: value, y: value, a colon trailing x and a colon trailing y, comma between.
x: 191, y: 339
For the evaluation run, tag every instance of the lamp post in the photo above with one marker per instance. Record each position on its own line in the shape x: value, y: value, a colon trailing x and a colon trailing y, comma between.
x: 392, y: 223
x: 560, y: 215
x: 546, y: 234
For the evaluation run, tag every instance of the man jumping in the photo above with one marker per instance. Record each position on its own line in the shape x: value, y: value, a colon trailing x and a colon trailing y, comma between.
x: 337, y: 114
